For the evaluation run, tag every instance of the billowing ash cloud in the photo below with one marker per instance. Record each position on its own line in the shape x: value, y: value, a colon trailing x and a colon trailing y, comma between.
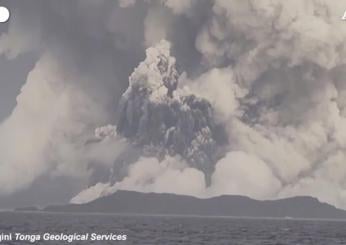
x: 67, y: 94
x: 271, y: 74
x: 164, y: 120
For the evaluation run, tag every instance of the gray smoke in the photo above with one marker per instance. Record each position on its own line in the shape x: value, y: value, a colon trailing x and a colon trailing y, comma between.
x: 67, y: 94
x: 164, y: 120
x: 270, y: 73
x: 274, y: 74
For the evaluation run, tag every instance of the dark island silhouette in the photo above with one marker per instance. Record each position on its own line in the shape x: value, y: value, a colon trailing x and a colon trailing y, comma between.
x: 129, y: 202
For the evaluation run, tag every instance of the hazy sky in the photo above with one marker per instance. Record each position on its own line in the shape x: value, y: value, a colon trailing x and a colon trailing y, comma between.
x: 268, y: 76
x: 13, y: 76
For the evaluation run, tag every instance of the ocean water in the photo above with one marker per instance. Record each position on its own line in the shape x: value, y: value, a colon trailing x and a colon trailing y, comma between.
x: 168, y: 230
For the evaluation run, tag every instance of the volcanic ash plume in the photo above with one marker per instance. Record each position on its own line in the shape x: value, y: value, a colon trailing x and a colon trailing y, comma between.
x: 170, y: 135
x: 163, y: 119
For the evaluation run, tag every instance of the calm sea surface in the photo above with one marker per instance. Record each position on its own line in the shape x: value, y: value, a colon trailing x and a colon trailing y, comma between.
x: 176, y: 230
